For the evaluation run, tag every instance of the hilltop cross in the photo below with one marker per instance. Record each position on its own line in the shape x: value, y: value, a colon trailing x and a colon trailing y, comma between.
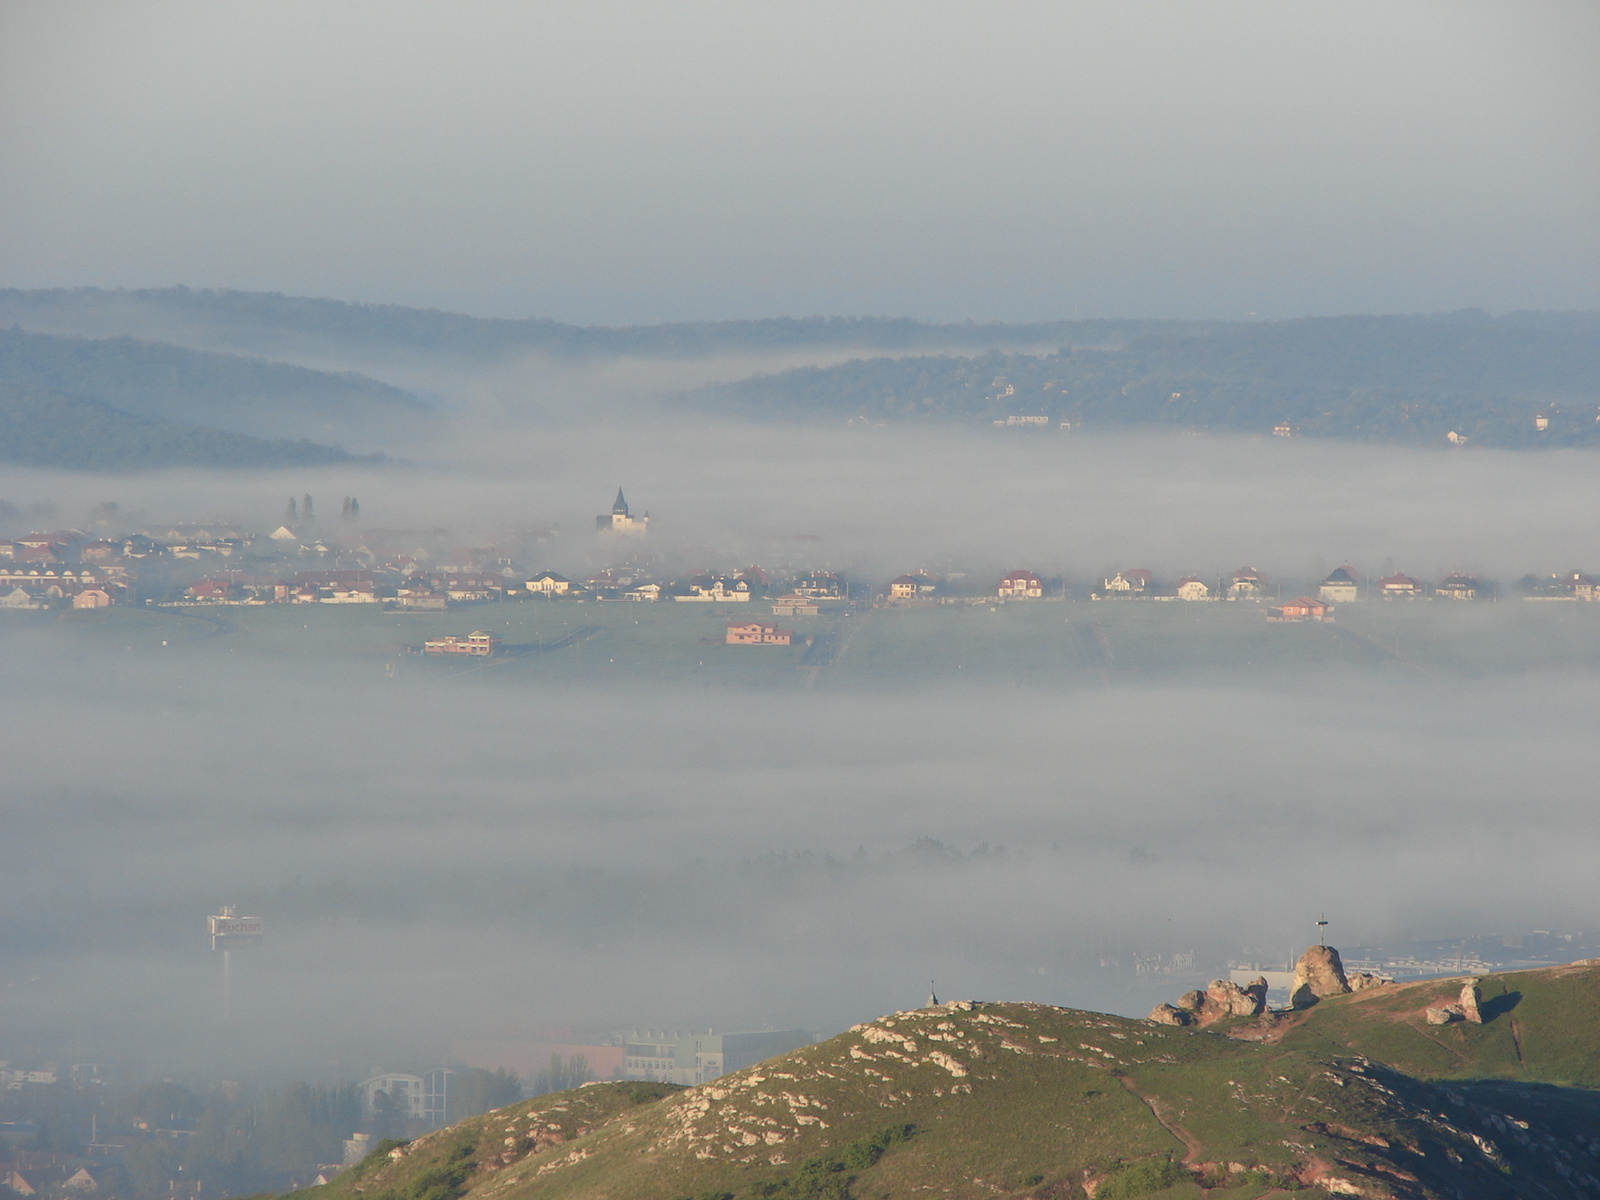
x: 1322, y: 925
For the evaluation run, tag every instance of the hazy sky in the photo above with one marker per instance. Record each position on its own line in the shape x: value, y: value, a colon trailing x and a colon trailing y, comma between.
x: 628, y: 162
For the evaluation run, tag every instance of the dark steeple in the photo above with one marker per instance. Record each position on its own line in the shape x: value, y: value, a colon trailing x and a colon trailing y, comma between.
x: 621, y: 506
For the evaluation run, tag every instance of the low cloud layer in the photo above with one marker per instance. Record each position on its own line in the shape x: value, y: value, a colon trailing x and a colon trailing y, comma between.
x: 443, y: 859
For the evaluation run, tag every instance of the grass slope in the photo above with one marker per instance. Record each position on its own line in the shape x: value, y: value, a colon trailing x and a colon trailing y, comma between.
x: 1540, y: 1026
x: 984, y: 1100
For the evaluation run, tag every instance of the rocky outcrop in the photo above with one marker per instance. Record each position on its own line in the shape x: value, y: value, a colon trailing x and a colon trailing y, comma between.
x: 1191, y: 1002
x: 1319, y: 973
x: 1444, y: 1014
x: 1360, y: 981
x: 1167, y: 1014
x: 1226, y: 999
x: 1470, y: 1002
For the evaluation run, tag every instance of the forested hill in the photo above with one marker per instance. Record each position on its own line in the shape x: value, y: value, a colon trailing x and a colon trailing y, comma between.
x: 44, y: 428
x: 271, y: 324
x: 173, y: 383
x: 1412, y: 379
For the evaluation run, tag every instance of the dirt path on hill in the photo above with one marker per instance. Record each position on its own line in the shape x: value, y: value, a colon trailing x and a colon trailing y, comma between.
x: 1192, y: 1149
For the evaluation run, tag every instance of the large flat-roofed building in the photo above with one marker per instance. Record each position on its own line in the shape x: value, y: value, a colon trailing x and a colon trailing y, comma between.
x: 694, y: 1058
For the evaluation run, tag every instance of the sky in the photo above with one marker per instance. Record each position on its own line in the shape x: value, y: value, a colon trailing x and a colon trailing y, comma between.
x: 623, y: 162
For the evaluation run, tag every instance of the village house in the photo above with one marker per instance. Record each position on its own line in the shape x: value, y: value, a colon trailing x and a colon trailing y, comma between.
x: 19, y: 597
x: 1246, y: 583
x: 1191, y: 588
x: 1399, y: 587
x: 645, y: 592
x: 1459, y: 587
x: 919, y: 586
x: 1302, y: 608
x: 476, y: 644
x: 1339, y: 587
x: 755, y: 633
x: 793, y: 605
x: 716, y: 590
x: 1020, y: 585
x: 91, y: 598
x: 1128, y: 584
x: 819, y: 585
x: 548, y: 583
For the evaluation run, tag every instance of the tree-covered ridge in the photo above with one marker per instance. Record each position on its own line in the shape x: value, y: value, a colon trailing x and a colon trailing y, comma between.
x: 1411, y: 379
x: 157, y: 380
x: 44, y: 428
x: 262, y: 320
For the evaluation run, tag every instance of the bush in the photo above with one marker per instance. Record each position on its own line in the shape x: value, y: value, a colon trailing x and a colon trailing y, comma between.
x: 1129, y: 1180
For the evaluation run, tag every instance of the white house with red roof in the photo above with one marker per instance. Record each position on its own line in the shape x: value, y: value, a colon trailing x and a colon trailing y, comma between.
x: 1021, y: 585
x: 1399, y: 587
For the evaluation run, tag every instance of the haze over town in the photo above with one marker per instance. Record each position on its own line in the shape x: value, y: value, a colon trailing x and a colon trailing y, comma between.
x: 236, y: 244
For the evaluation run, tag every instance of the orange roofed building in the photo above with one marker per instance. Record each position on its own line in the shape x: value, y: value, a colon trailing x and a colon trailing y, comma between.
x: 1302, y: 608
x: 756, y: 633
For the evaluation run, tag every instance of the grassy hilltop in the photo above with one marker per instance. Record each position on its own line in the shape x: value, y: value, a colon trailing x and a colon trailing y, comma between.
x: 973, y: 1099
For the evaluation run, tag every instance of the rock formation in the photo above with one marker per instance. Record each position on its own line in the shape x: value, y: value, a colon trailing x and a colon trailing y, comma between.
x: 1360, y: 981
x: 1226, y: 999
x: 1445, y: 1014
x: 1469, y: 1003
x: 1167, y: 1014
x: 1319, y: 973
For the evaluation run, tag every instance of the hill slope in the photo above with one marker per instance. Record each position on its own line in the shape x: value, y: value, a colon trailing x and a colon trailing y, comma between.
x: 43, y: 428
x: 970, y: 1100
x: 170, y: 383
x: 270, y: 323
x: 1376, y: 378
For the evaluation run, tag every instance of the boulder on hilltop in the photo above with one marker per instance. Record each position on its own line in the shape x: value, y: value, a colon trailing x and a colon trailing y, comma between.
x: 1319, y: 973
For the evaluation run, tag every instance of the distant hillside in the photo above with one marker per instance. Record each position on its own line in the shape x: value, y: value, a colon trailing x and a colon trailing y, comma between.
x: 269, y: 323
x: 44, y: 428
x: 1409, y: 379
x: 1020, y: 1100
x: 171, y: 383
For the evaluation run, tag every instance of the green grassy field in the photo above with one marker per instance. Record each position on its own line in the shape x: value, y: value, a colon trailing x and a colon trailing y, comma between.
x: 1039, y: 644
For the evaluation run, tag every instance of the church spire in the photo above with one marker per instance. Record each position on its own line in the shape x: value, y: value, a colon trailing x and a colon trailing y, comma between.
x: 621, y: 506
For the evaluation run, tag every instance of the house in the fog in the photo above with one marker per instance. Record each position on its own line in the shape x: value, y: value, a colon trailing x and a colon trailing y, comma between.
x: 1246, y: 583
x: 1340, y: 587
x: 1193, y: 588
x: 758, y: 633
x: 1457, y: 586
x: 1020, y: 585
x: 1399, y: 587
x: 1128, y: 584
x: 1302, y: 608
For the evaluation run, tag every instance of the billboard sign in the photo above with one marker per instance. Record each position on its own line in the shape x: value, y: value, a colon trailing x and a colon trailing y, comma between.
x: 228, y: 930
